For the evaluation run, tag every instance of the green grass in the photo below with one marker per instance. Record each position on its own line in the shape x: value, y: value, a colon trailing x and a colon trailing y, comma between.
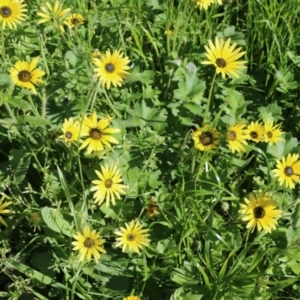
x: 200, y: 247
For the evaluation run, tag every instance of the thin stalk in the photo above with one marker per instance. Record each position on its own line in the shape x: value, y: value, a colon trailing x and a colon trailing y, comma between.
x: 209, y: 98
x: 10, y: 112
x: 111, y: 105
x: 35, y: 111
x: 2, y: 44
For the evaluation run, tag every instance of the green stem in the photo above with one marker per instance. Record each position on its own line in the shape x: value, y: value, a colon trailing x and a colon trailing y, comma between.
x: 209, y: 98
x: 10, y: 112
x: 2, y: 44
x: 35, y: 111
x: 111, y: 105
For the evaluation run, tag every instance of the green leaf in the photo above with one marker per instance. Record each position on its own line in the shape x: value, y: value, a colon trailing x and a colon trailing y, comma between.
x: 19, y: 162
x: 36, y: 121
x: 55, y: 221
x: 283, y: 148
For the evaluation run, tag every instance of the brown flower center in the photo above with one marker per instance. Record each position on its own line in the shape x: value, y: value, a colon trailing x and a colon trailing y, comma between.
x: 231, y: 135
x: 68, y: 135
x: 24, y: 76
x: 109, y: 67
x: 95, y: 134
x: 74, y: 21
x: 254, y: 134
x: 108, y: 183
x: 288, y: 171
x: 88, y: 243
x: 259, y: 212
x: 5, y: 11
x: 206, y: 138
x: 130, y: 237
x: 221, y: 63
x: 269, y: 134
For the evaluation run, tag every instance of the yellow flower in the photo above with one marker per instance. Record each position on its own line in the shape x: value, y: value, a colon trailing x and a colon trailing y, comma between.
x: 272, y: 133
x: 203, y: 3
x: 98, y: 133
x: 53, y: 14
x: 236, y: 137
x: 152, y: 208
x: 111, y: 68
x: 109, y: 186
x: 260, y: 211
x: 12, y: 12
x: 133, y: 237
x: 74, y: 20
x: 131, y: 298
x: 169, y: 32
x: 255, y: 132
x: 224, y: 57
x: 96, y: 54
x: 288, y: 170
x: 89, y: 244
x: 70, y: 130
x: 206, y: 138
x: 3, y: 209
x: 25, y: 74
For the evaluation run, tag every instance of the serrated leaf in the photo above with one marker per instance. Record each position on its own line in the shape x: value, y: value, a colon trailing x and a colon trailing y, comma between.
x: 19, y: 161
x: 283, y: 148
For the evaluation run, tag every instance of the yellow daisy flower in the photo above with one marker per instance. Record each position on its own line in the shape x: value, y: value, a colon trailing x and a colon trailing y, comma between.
x: 25, y: 74
x: 224, y: 57
x: 203, y: 3
x: 272, y: 133
x: 98, y: 133
x: 131, y: 298
x: 70, y: 130
x: 255, y: 132
x: 12, y: 12
x: 236, y: 137
x: 133, y: 237
x: 53, y: 14
x: 260, y: 211
x: 74, y: 20
x: 89, y: 244
x: 111, y: 68
x: 3, y: 209
x: 109, y: 186
x: 152, y: 208
x: 206, y: 138
x: 288, y: 170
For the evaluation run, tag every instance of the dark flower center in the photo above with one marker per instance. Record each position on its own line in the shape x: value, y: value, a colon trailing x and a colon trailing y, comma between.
x: 109, y: 67
x: 5, y: 11
x: 130, y: 237
x: 108, y: 183
x: 259, y: 212
x: 95, y: 134
x: 269, y: 134
x: 206, y: 138
x: 24, y: 76
x: 231, y: 135
x: 221, y: 63
x: 253, y: 134
x: 288, y: 171
x: 74, y: 21
x: 88, y: 243
x: 68, y: 135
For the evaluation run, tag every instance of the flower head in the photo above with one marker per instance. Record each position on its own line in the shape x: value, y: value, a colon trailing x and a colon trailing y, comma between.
x: 70, y: 130
x: 54, y: 14
x: 152, y: 208
x: 131, y: 298
x: 272, y: 133
x: 206, y: 3
x: 288, y: 170
x: 97, y: 54
x: 98, y: 133
x: 133, y: 237
x: 111, y: 68
x: 260, y: 211
x: 109, y: 186
x: 206, y: 138
x: 89, y: 244
x: 236, y: 137
x: 74, y: 20
x: 12, y: 12
x: 224, y: 57
x: 25, y: 74
x: 3, y: 209
x: 255, y: 132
